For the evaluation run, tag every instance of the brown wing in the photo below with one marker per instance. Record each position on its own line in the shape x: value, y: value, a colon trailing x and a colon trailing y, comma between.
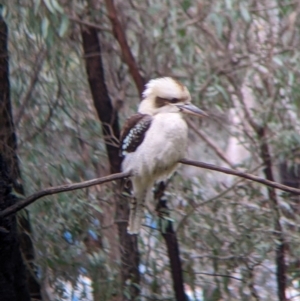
x: 133, y: 132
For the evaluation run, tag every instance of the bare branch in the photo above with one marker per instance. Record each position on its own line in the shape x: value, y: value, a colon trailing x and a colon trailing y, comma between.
x: 212, y: 145
x: 53, y: 190
x: 118, y: 31
x: 89, y: 24
x: 34, y: 79
x: 40, y: 129
x: 241, y: 174
x: 218, y: 275
x: 68, y: 187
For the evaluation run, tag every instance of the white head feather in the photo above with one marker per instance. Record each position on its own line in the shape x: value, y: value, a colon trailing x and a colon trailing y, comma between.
x: 166, y: 88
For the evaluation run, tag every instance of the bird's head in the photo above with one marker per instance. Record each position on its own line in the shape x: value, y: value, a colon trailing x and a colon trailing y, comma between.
x: 167, y: 95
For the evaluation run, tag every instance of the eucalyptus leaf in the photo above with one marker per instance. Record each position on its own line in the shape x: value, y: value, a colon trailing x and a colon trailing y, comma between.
x: 57, y: 6
x: 244, y: 12
x: 49, y: 6
x: 37, y: 4
x: 45, y: 27
x: 63, y: 26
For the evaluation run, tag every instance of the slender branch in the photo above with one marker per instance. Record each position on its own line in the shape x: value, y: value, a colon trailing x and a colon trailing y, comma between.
x: 53, y: 190
x: 241, y: 174
x: 212, y: 145
x: 195, y: 207
x: 40, y: 129
x: 89, y: 24
x: 217, y: 275
x: 33, y: 81
x: 68, y: 187
x: 118, y: 31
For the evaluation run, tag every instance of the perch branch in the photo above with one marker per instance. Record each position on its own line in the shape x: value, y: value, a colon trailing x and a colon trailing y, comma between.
x: 53, y: 190
x: 241, y: 174
x: 68, y: 187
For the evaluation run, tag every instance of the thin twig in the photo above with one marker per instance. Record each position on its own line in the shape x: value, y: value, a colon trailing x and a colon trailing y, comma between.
x: 195, y: 208
x: 33, y: 81
x: 212, y: 145
x: 89, y: 24
x: 218, y: 275
x: 40, y: 129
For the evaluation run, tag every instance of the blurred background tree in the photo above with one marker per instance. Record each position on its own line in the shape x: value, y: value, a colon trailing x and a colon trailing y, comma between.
x: 240, y: 61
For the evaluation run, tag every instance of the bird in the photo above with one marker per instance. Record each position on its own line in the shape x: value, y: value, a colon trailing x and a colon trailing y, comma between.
x: 154, y: 139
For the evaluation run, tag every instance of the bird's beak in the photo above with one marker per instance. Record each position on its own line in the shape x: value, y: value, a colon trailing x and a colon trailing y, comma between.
x: 193, y: 110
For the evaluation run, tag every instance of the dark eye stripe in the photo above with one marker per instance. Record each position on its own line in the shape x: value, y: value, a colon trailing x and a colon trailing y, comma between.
x: 160, y: 101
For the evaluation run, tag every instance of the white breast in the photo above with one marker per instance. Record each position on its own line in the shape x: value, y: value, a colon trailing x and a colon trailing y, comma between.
x: 164, y: 144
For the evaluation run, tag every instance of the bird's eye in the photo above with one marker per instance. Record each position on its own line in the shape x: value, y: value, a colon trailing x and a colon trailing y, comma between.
x: 174, y: 100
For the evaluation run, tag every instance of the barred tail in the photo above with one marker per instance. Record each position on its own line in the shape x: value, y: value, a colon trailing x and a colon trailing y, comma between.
x: 136, y: 215
x: 137, y: 207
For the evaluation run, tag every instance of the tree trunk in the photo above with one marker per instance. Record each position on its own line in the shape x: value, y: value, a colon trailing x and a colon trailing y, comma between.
x: 171, y: 241
x: 10, y: 253
x: 110, y: 127
x: 13, y: 285
x: 281, y: 244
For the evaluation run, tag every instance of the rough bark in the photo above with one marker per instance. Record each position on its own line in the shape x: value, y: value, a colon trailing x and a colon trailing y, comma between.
x: 8, y: 150
x: 110, y: 126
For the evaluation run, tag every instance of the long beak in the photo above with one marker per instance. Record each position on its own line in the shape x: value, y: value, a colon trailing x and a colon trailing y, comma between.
x: 193, y: 110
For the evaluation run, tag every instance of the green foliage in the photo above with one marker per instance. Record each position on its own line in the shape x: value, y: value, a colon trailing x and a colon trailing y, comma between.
x: 231, y: 54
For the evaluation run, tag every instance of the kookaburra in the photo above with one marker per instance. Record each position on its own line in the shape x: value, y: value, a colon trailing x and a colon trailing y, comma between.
x: 154, y: 139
